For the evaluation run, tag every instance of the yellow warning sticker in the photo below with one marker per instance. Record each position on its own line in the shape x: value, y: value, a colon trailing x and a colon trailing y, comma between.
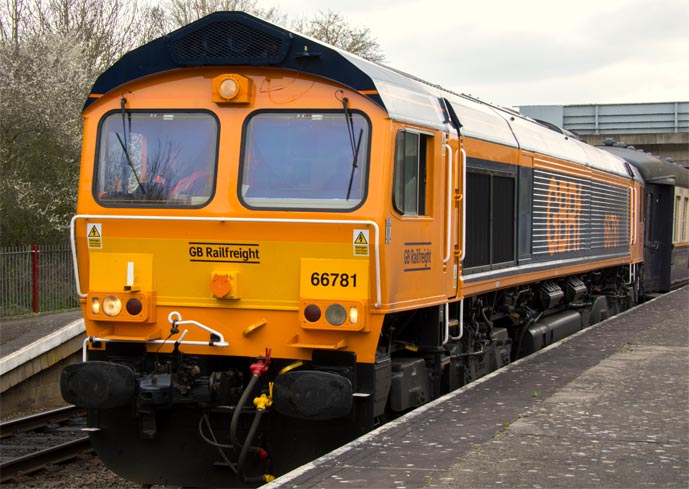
x: 361, y: 242
x: 94, y: 235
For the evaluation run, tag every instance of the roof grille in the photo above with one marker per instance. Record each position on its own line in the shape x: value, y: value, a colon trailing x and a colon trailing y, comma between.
x: 233, y: 40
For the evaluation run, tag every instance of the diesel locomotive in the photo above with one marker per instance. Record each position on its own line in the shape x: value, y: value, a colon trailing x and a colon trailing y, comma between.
x: 279, y: 246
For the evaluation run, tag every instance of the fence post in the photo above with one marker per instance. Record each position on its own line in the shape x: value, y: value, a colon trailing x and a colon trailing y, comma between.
x: 34, y: 276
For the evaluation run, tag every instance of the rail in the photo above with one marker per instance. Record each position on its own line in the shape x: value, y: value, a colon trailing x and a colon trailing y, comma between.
x: 35, y: 461
x: 40, y: 420
x: 41, y: 455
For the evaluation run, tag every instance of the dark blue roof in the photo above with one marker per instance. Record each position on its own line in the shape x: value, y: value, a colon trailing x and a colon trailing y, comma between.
x: 236, y: 39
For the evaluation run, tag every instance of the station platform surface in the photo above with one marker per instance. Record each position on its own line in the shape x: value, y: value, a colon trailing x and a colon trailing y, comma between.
x: 32, y: 352
x: 605, y: 408
x: 16, y: 334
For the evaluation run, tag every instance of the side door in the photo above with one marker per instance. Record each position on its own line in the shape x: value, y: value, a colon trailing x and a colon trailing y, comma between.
x: 658, y: 237
x: 418, y: 228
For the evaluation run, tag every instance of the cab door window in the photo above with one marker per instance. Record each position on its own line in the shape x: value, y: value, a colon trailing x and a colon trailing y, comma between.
x: 409, y: 193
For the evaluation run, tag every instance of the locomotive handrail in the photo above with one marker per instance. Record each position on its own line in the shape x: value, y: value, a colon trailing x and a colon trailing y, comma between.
x: 448, y: 226
x: 180, y: 341
x: 72, y: 233
x: 220, y: 343
x: 175, y: 319
x: 464, y: 204
x: 633, y: 216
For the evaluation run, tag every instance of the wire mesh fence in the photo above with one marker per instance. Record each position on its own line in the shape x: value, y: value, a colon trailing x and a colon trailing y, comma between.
x: 36, y: 279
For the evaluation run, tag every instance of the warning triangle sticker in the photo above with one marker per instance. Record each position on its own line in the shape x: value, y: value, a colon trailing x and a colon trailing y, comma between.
x: 360, y: 239
x: 93, y: 232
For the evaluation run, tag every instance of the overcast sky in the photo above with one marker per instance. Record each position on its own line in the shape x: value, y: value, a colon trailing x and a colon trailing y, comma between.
x: 530, y: 52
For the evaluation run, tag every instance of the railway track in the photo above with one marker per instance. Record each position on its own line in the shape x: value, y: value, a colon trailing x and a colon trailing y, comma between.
x: 34, y: 442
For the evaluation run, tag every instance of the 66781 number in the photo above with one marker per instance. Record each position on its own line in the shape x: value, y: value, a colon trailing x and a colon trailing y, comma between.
x: 326, y: 279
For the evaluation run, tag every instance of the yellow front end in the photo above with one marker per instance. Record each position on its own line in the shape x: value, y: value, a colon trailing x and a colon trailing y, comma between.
x: 250, y: 289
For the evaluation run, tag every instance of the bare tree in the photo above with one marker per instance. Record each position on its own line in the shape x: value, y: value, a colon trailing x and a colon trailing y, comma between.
x: 334, y: 29
x: 12, y: 15
x: 179, y: 13
x: 329, y: 27
x: 106, y: 28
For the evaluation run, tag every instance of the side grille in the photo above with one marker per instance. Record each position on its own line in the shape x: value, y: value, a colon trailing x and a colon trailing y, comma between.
x: 232, y: 40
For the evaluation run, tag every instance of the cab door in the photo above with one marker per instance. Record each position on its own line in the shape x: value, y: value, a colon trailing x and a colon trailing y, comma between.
x: 421, y: 232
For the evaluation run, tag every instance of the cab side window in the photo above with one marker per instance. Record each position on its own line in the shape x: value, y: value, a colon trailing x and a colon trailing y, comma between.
x: 409, y: 193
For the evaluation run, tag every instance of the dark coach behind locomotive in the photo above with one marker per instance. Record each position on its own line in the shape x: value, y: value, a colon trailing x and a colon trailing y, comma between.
x: 666, y: 211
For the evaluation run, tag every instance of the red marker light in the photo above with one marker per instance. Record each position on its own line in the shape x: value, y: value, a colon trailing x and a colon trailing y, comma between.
x: 134, y: 306
x: 312, y: 313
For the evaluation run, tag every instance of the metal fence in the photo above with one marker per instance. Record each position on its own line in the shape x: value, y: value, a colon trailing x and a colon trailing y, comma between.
x: 36, y: 279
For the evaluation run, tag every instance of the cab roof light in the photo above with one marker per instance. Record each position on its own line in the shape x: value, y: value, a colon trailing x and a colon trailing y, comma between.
x: 231, y: 88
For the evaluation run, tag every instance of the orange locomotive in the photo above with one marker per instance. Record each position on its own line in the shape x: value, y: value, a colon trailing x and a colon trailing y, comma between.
x: 280, y: 245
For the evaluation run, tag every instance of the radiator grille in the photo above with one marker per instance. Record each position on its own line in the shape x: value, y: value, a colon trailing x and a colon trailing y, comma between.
x: 230, y: 42
x: 609, y: 216
x: 578, y: 214
x: 561, y: 212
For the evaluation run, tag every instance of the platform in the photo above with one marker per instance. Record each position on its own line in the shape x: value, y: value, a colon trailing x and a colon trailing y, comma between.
x: 33, y: 351
x: 607, y: 407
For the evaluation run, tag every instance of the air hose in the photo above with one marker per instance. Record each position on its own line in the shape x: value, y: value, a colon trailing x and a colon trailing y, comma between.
x: 257, y: 370
x: 245, y: 449
x: 238, y: 409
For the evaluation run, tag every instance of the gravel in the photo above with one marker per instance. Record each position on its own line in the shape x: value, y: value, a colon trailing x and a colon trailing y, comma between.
x: 86, y: 473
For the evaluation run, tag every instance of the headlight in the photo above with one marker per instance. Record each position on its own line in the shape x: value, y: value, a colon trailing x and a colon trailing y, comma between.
x: 335, y: 314
x: 112, y: 306
x: 95, y: 305
x: 353, y: 314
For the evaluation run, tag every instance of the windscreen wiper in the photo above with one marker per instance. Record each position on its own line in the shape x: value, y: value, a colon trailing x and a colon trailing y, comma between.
x: 123, y: 144
x: 355, y: 144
